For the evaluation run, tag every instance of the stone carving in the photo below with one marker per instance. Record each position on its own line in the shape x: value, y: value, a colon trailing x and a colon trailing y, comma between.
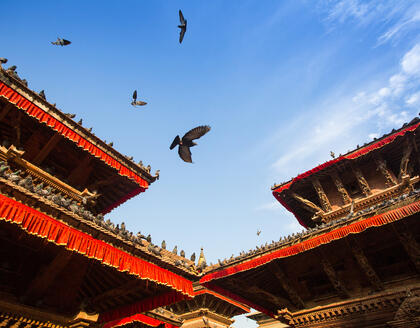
x: 325, y: 203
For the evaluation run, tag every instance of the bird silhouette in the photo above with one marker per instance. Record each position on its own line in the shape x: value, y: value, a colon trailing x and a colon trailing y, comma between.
x: 258, y: 232
x: 175, y: 250
x: 192, y: 258
x: 136, y: 102
x: 61, y: 42
x: 332, y: 154
x: 42, y: 94
x: 182, y: 26
x: 187, y: 141
x: 3, y: 60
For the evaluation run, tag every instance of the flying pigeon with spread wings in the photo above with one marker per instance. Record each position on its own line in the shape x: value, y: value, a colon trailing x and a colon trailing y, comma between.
x: 136, y: 102
x: 182, y: 26
x: 187, y: 141
x: 61, y: 42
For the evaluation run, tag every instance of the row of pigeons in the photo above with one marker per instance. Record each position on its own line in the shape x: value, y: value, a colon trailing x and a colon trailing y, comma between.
x: 12, y: 71
x: 26, y: 181
x: 296, y: 237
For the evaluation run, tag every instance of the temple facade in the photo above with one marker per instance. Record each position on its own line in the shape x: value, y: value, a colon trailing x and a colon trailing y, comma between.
x: 356, y: 264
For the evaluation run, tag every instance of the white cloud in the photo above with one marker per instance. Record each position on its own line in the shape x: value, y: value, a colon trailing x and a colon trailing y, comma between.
x: 396, y: 17
x: 413, y: 99
x: 410, y: 19
x: 347, y: 117
x: 411, y: 61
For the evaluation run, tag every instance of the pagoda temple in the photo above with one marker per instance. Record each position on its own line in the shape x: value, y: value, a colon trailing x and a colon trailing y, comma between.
x: 358, y: 262
x: 62, y: 265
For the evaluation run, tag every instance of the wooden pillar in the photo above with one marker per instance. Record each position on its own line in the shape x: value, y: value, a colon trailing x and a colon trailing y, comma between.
x: 341, y: 189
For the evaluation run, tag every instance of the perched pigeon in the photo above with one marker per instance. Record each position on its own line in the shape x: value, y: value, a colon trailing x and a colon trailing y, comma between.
x: 70, y: 115
x: 182, y: 26
x: 182, y: 253
x: 42, y: 94
x: 3, y: 60
x: 163, y: 244
x: 11, y: 69
x: 332, y: 154
x: 258, y: 232
x: 187, y: 141
x: 61, y: 42
x: 136, y: 102
x: 175, y: 250
x: 192, y: 258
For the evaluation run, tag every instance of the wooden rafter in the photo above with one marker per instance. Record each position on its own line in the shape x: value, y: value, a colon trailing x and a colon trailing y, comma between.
x: 334, y: 278
x: 323, y: 199
x: 363, y: 184
x: 5, y: 110
x: 411, y: 246
x: 285, y: 283
x: 46, y: 277
x: 340, y: 187
x: 366, y: 267
x: 49, y: 146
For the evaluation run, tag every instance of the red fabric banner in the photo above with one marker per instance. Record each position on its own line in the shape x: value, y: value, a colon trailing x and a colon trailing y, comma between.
x: 43, y: 117
x: 353, y: 155
x: 356, y: 227
x: 144, y: 319
x: 41, y: 225
x: 142, y: 306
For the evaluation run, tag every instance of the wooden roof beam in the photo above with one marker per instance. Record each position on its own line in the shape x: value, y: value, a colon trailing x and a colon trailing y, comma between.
x: 408, y: 148
x: 323, y: 199
x: 5, y: 110
x: 277, y: 272
x: 46, y: 150
x: 363, y: 184
x: 119, y: 291
x: 366, y: 267
x: 340, y: 187
x: 411, y: 246
x: 39, y: 285
x: 334, y: 278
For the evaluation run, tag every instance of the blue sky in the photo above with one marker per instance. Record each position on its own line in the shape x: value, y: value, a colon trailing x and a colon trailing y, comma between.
x: 280, y: 82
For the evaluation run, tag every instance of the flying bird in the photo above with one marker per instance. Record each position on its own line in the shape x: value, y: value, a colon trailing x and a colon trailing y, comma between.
x: 61, y: 42
x: 136, y: 102
x: 182, y: 26
x: 187, y: 141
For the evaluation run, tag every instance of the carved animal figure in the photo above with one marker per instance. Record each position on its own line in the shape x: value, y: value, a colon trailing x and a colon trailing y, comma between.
x: 187, y: 141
